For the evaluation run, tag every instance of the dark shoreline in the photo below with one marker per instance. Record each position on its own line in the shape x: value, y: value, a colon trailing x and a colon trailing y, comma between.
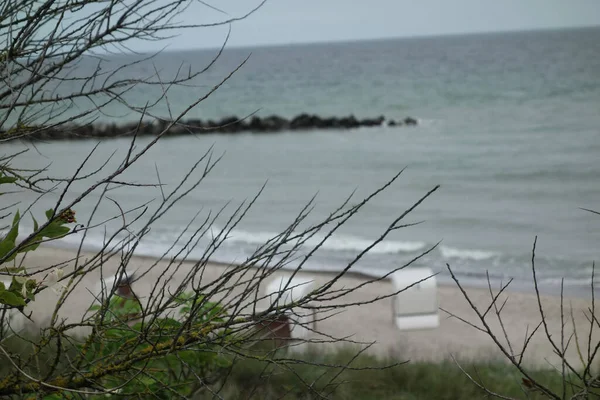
x: 227, y: 125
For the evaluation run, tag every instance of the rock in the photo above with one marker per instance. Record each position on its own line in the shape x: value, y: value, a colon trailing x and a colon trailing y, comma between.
x: 349, y: 122
x: 410, y: 121
x: 177, y: 130
x: 302, y: 121
x: 329, y: 123
x: 232, y: 124
x: 159, y: 126
x: 255, y: 124
x: 229, y: 125
x: 194, y: 126
x: 370, y: 122
x: 274, y: 124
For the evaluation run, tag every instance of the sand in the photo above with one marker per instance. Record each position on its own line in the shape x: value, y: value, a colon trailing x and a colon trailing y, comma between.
x: 373, y: 322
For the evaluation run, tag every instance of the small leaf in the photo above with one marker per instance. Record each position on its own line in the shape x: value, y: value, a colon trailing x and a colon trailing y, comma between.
x: 166, y: 323
x: 13, y: 270
x: 31, y: 284
x: 222, y: 362
x: 7, y: 179
x: 54, y: 230
x: 147, y: 380
x: 11, y: 299
x: 5, y: 248
x: 16, y: 283
x: 33, y: 245
x: 20, y: 279
x: 8, y: 242
x: 14, y: 231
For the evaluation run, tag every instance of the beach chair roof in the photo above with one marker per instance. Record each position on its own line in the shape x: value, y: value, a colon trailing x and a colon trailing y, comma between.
x: 284, y: 290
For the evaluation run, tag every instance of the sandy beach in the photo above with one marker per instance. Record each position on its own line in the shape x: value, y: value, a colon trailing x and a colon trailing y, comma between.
x: 371, y: 322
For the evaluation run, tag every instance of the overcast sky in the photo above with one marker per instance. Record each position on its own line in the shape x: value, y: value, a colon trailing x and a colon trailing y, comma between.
x: 297, y: 21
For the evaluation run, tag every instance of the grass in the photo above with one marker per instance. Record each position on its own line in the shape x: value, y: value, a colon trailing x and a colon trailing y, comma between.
x: 310, y: 377
x: 414, y: 380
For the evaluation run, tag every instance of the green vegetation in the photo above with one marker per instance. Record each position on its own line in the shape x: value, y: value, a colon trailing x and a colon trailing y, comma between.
x: 372, y: 378
x: 366, y: 377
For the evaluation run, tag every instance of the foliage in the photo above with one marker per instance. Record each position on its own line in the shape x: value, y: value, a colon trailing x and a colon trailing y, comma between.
x: 161, y: 377
x: 22, y: 288
x: 366, y: 377
x: 369, y: 377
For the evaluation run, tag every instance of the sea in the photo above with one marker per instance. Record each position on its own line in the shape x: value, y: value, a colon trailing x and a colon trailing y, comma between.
x: 509, y: 127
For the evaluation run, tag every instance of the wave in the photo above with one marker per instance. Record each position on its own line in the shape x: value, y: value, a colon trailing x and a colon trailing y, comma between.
x: 472, y: 266
x: 345, y: 243
x: 159, y: 241
x: 555, y: 174
x: 557, y: 281
x: 429, y: 122
x: 467, y: 254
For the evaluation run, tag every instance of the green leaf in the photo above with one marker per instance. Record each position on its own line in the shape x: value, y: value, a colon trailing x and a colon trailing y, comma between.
x: 16, y: 284
x: 31, y: 284
x: 131, y: 306
x: 33, y: 245
x: 49, y: 214
x: 169, y: 323
x: 8, y: 243
x: 147, y: 380
x: 13, y: 270
x: 14, y: 231
x: 7, y: 179
x: 11, y: 299
x: 222, y: 362
x: 137, y: 327
x: 54, y: 230
x: 5, y: 248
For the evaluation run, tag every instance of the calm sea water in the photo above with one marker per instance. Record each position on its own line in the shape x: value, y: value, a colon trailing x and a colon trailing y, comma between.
x: 509, y: 126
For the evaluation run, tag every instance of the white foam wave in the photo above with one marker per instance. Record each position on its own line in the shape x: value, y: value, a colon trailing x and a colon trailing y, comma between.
x: 567, y: 281
x: 428, y: 122
x: 334, y: 243
x: 466, y: 254
x: 157, y: 243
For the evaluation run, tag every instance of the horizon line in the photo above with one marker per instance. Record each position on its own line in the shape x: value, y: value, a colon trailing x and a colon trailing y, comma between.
x: 384, y: 38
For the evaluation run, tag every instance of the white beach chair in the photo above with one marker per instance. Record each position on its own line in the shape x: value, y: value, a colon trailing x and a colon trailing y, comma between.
x: 416, y: 307
x: 296, y: 323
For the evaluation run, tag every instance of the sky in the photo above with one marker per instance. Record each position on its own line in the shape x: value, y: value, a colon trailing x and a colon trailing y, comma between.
x: 302, y: 21
x: 280, y: 22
